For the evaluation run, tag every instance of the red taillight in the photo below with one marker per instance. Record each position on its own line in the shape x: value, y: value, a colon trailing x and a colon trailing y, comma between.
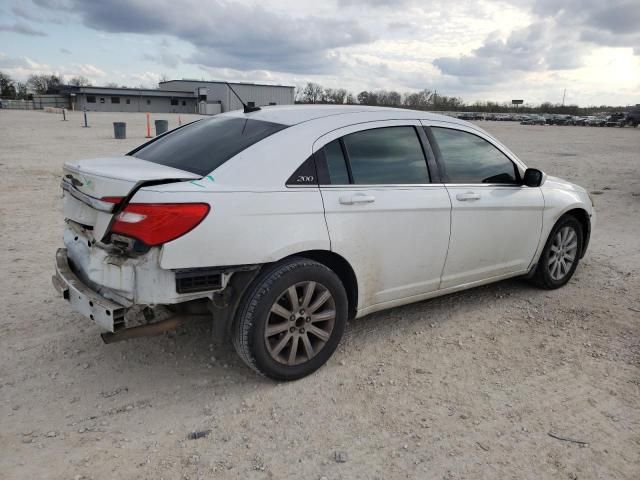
x: 158, y: 223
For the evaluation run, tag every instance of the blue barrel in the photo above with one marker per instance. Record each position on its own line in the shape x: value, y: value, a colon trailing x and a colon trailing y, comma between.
x: 120, y: 130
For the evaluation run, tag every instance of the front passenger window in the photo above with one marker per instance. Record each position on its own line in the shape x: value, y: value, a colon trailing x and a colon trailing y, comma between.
x: 468, y: 158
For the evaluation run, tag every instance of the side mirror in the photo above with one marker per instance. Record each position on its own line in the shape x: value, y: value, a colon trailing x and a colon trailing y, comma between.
x: 532, y: 177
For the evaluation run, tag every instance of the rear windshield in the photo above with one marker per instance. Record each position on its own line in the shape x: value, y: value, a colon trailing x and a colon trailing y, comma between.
x: 203, y: 146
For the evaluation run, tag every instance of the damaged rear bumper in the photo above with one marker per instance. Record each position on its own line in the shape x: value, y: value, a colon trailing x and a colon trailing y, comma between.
x: 106, y: 313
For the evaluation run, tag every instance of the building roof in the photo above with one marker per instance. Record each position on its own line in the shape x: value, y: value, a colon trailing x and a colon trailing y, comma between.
x: 249, y: 84
x: 294, y: 114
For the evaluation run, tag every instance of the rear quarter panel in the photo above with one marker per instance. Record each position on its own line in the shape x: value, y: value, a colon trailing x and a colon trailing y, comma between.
x: 243, y: 227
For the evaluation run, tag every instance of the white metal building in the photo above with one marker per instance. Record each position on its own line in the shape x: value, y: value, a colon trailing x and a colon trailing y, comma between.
x: 107, y: 99
x: 174, y: 96
x: 216, y: 97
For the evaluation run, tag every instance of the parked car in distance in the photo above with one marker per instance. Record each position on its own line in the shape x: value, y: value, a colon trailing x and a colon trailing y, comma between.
x: 533, y: 120
x: 595, y: 121
x: 560, y: 120
x: 633, y: 118
x: 470, y: 116
x: 281, y: 224
x: 616, y: 120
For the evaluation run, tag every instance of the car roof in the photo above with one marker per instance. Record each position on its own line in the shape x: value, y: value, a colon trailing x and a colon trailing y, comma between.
x: 296, y: 114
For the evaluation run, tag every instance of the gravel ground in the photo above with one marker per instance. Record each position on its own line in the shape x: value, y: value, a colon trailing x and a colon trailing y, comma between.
x: 467, y: 386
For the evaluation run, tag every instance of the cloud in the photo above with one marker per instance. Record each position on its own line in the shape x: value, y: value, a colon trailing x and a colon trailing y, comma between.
x: 21, y: 68
x: 557, y: 40
x: 613, y: 23
x: 232, y: 34
x: 145, y: 79
x: 28, y: 12
x: 374, y: 3
x: 23, y: 29
x: 537, y: 47
x: 85, y: 69
x: 165, y: 57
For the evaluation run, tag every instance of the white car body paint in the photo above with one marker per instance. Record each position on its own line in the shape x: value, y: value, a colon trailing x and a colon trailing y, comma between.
x: 413, y: 242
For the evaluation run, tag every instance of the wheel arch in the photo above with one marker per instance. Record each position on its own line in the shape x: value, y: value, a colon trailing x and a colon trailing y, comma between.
x: 583, y: 218
x: 342, y: 268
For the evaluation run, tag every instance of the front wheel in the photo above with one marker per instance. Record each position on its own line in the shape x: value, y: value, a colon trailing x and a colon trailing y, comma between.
x: 291, y: 319
x: 561, y: 254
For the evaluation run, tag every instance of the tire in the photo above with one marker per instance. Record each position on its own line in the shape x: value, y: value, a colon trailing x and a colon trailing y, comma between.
x: 272, y: 292
x: 549, y: 274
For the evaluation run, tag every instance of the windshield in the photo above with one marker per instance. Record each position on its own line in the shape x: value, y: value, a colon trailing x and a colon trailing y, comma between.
x: 203, y: 146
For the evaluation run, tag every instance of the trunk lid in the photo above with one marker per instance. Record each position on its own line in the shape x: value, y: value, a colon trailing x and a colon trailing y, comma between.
x: 86, y: 183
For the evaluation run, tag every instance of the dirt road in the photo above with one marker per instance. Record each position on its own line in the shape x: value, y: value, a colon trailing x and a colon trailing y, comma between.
x: 467, y: 386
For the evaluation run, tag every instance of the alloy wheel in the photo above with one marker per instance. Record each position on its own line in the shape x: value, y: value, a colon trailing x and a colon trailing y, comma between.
x: 563, y: 252
x: 300, y: 323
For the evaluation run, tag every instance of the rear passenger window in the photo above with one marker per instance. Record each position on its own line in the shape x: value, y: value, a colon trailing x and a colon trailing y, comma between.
x: 336, y: 164
x: 468, y: 158
x: 390, y: 155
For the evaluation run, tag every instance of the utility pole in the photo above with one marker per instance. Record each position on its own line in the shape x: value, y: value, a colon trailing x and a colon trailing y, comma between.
x: 564, y: 94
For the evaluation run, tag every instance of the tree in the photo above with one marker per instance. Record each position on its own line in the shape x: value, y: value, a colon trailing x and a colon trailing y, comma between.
x: 22, y: 92
x: 80, y: 81
x: 389, y: 99
x: 312, y: 93
x: 335, y: 95
x: 114, y: 85
x: 419, y: 100
x: 44, y: 84
x: 381, y: 97
x: 351, y: 99
x: 442, y: 102
x: 7, y: 87
x: 367, y: 98
x: 325, y: 95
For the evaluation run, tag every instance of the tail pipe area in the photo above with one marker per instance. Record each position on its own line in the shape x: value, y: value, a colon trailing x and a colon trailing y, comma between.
x: 151, y: 329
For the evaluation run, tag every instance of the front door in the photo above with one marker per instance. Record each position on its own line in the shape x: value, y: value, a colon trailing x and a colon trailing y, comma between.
x: 496, y: 221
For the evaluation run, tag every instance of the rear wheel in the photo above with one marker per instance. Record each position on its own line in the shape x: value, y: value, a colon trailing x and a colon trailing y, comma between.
x: 291, y: 320
x: 561, y: 254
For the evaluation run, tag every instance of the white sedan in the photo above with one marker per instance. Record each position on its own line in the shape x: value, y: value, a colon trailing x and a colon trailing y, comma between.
x: 281, y: 224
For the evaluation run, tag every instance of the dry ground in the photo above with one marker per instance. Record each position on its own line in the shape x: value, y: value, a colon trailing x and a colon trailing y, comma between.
x: 465, y: 386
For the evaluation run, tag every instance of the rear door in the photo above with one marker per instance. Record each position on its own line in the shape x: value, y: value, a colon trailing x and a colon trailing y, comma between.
x: 383, y: 213
x: 496, y: 221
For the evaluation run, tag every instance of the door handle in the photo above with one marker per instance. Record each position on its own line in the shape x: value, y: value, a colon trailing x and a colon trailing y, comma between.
x: 357, y: 198
x: 468, y: 196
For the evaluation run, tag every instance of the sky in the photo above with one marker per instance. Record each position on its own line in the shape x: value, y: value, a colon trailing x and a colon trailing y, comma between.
x: 479, y: 50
